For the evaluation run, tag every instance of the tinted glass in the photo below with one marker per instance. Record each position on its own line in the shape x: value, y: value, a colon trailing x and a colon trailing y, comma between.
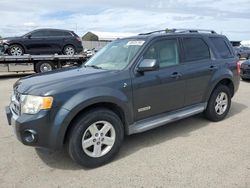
x: 221, y: 47
x: 195, y: 49
x: 41, y: 33
x: 58, y: 33
x: 165, y: 52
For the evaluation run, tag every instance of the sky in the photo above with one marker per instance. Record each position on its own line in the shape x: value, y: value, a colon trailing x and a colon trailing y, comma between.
x: 229, y: 17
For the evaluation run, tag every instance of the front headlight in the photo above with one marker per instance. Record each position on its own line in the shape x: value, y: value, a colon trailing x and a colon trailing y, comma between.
x: 4, y: 41
x: 33, y: 104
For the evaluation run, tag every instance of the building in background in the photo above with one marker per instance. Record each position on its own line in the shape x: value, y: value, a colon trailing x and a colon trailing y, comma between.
x: 245, y: 43
x: 235, y: 43
x: 97, y: 40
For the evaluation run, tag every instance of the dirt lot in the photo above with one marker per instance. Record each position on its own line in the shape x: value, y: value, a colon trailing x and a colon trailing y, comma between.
x: 189, y: 153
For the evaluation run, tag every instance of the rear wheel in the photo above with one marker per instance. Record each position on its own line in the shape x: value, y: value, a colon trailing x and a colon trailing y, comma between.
x: 15, y: 50
x: 218, y: 104
x: 96, y: 137
x: 69, y: 50
x: 44, y: 66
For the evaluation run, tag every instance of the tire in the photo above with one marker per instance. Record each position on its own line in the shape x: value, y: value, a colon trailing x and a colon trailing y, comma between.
x: 217, y: 111
x: 84, y: 129
x: 44, y: 66
x: 15, y: 50
x: 69, y: 50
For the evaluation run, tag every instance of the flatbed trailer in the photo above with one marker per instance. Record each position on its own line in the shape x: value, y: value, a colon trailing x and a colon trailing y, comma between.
x: 38, y: 63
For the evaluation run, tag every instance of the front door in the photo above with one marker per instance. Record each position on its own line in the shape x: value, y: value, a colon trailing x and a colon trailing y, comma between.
x: 162, y: 90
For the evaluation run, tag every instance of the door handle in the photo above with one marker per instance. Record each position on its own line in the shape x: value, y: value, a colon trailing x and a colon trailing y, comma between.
x: 176, y: 75
x: 213, y: 67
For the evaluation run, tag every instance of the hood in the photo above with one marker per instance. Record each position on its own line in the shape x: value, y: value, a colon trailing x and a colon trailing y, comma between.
x: 55, y: 81
x: 10, y: 38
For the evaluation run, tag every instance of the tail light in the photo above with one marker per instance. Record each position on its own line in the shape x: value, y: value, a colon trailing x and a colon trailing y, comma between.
x: 238, y: 67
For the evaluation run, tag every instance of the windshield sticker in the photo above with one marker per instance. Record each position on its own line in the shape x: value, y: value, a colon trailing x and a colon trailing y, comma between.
x: 135, y: 43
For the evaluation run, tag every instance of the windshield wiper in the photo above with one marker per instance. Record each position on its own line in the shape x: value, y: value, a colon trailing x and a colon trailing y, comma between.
x: 93, y: 66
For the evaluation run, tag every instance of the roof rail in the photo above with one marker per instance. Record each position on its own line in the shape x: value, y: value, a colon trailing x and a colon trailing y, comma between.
x: 180, y: 31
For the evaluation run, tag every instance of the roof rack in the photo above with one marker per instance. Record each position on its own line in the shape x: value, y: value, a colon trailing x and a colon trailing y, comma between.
x: 180, y: 31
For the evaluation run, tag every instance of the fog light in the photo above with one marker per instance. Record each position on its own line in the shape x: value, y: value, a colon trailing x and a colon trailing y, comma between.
x: 29, y: 136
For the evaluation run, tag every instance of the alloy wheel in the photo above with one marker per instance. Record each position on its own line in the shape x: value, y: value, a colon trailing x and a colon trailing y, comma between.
x: 16, y: 51
x: 69, y: 50
x: 221, y: 103
x: 98, y: 139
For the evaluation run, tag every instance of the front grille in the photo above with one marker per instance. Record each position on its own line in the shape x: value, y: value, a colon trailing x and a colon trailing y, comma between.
x: 15, y: 103
x: 17, y: 95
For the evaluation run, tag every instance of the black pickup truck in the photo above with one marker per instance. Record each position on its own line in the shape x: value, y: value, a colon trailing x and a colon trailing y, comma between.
x: 131, y: 85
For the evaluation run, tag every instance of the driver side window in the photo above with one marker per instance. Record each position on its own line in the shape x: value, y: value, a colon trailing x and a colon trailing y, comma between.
x: 165, y: 52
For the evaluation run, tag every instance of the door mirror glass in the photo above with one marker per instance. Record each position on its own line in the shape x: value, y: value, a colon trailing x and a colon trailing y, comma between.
x: 148, y: 65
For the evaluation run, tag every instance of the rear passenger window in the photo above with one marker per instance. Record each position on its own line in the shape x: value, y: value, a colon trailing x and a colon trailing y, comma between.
x: 59, y: 33
x: 221, y: 47
x: 195, y: 49
x: 165, y: 52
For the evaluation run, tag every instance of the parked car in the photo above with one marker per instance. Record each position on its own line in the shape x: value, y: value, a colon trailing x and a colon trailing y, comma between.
x: 245, y: 70
x: 242, y: 52
x: 130, y: 86
x: 44, y: 41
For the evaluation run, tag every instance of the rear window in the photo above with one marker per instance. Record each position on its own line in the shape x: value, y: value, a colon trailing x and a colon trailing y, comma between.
x: 195, y: 49
x: 221, y: 47
x: 59, y: 33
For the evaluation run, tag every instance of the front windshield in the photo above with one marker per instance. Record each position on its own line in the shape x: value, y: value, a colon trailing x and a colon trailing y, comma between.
x: 116, y: 55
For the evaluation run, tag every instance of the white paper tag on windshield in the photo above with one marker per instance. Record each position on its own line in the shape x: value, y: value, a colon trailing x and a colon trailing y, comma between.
x: 135, y: 43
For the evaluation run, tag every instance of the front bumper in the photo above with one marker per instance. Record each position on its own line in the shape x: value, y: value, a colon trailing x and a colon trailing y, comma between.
x: 32, y: 130
x: 3, y: 48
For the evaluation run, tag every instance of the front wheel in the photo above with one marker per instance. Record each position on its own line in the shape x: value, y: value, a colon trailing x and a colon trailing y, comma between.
x: 96, y: 137
x: 218, y: 104
x: 16, y: 50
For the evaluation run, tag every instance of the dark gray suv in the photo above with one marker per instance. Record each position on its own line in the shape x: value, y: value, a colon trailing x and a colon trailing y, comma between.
x: 131, y: 85
x: 44, y: 41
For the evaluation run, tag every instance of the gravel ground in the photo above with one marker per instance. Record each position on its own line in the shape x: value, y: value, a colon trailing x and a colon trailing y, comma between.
x: 189, y: 153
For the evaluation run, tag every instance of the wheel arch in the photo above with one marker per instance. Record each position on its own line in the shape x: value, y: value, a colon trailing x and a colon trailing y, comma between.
x: 106, y: 105
x: 68, y: 44
x: 227, y: 81
x: 17, y: 43
x: 86, y: 100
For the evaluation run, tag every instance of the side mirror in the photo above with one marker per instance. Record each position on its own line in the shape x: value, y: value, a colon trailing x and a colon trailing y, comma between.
x: 148, y: 65
x: 29, y: 36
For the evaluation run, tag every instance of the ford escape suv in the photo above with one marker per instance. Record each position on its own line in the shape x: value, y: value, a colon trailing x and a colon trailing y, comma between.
x: 131, y: 85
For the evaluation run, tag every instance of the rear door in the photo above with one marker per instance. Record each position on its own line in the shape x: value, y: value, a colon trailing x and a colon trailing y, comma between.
x: 163, y: 90
x: 198, y: 68
x: 55, y: 41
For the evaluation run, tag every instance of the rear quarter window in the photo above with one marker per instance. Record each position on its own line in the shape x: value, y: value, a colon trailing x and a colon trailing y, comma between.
x: 221, y: 47
x: 195, y: 49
